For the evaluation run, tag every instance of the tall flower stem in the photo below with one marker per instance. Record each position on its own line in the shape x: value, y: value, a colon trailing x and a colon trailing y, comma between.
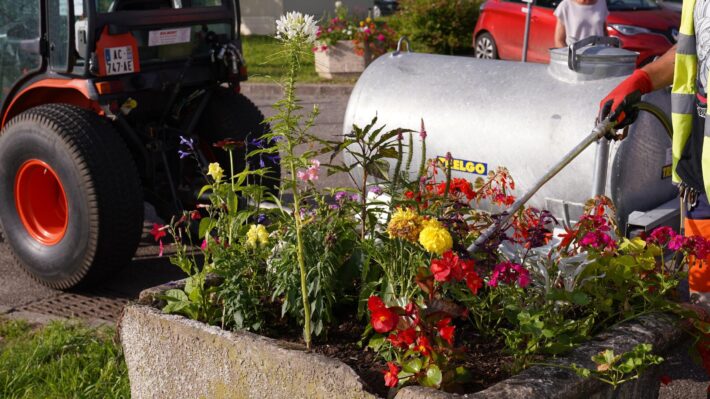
x: 363, y: 206
x: 290, y: 91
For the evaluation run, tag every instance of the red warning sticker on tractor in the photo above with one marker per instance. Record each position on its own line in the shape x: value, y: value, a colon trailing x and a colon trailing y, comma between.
x: 168, y: 36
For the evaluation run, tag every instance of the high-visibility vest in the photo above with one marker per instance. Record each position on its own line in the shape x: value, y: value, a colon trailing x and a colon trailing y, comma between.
x: 683, y: 105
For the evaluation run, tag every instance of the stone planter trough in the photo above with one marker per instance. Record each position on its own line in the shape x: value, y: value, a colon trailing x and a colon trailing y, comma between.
x: 340, y: 61
x: 170, y: 356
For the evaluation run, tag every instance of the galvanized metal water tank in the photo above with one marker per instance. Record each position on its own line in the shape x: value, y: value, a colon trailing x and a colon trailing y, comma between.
x: 524, y: 117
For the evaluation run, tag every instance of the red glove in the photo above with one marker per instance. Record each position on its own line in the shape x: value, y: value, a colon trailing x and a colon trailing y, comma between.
x: 619, y: 104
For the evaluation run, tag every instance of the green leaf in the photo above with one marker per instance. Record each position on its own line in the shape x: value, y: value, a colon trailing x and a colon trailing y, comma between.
x: 175, y: 295
x: 580, y: 298
x: 203, y: 190
x: 581, y: 371
x: 433, y: 377
x: 177, y: 307
x: 413, y: 366
x: 205, y: 227
x: 634, y: 245
x: 376, y: 342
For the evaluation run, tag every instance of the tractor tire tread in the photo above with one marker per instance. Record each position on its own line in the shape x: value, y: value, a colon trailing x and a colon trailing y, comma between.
x: 111, y: 177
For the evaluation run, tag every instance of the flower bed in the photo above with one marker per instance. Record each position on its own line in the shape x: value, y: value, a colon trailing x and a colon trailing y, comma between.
x: 388, y: 264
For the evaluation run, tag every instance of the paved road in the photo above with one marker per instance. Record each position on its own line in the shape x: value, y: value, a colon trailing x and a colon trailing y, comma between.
x: 22, y: 297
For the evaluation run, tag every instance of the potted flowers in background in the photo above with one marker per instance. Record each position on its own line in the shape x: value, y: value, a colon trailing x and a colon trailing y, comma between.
x: 346, y: 46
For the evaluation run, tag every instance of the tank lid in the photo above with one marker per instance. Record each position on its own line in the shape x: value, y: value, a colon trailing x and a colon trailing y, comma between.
x: 591, y: 59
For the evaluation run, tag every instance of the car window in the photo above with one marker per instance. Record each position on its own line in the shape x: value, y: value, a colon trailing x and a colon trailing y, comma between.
x: 631, y: 5
x: 123, y: 5
x: 547, y: 3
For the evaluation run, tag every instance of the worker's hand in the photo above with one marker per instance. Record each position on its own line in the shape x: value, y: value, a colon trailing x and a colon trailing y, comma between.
x: 619, y: 104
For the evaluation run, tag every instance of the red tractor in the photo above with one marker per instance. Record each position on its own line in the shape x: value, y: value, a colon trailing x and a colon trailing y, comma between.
x: 96, y: 96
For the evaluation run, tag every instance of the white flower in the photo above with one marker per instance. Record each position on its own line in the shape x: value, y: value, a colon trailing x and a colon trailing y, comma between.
x: 295, y: 25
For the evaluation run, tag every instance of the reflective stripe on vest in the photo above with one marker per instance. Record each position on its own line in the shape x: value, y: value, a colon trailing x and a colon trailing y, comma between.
x: 684, y: 89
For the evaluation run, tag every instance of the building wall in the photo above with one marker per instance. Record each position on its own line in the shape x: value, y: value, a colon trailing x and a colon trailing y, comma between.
x: 259, y: 16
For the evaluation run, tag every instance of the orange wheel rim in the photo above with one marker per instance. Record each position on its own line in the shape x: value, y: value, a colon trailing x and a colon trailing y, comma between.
x: 41, y: 202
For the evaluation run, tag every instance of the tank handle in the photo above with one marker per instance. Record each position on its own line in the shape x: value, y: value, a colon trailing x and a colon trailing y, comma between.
x: 572, y: 61
x: 403, y: 39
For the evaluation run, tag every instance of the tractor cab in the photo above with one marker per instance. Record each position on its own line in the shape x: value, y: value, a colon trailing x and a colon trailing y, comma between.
x: 96, y: 98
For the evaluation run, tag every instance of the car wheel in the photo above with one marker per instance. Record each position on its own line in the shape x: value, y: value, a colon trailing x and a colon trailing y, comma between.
x: 71, y: 200
x: 486, y: 47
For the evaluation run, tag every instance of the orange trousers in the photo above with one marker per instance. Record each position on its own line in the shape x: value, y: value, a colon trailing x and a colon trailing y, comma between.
x: 699, y: 283
x: 699, y: 272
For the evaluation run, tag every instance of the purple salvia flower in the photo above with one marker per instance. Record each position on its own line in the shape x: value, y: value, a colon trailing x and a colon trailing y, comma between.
x: 187, y: 142
x: 183, y: 154
x: 376, y: 190
x: 259, y: 143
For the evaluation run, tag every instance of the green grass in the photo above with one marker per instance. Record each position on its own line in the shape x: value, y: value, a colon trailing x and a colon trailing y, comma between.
x: 266, y: 62
x: 60, y: 360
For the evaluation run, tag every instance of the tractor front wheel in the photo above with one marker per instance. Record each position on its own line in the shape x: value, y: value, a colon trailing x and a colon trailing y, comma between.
x: 71, y: 206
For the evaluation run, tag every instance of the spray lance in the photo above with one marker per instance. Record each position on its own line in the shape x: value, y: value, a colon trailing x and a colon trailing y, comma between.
x: 602, y: 130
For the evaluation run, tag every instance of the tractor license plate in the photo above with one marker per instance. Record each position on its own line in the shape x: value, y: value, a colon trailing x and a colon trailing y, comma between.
x: 119, y: 60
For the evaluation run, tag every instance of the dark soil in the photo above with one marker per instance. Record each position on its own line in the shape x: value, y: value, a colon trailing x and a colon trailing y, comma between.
x: 484, y: 357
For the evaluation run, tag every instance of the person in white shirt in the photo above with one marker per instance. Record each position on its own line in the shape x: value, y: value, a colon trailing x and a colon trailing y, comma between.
x: 579, y: 19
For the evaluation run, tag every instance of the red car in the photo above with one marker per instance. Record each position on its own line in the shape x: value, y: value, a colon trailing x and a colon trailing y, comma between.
x: 642, y: 26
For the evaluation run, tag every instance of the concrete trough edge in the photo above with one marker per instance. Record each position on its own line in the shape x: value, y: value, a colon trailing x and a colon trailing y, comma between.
x: 170, y: 355
x: 661, y: 330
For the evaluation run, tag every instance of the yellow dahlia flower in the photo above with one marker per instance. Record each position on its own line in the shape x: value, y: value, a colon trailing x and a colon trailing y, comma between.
x: 405, y: 224
x: 434, y: 237
x: 257, y: 235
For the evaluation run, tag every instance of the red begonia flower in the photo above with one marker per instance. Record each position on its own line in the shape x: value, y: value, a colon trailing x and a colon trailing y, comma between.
x: 447, y: 333
x: 467, y: 266
x: 383, y: 320
x: 474, y: 282
x: 665, y: 379
x: 391, y: 379
x: 441, y: 269
x: 403, y: 338
x: 374, y: 303
x: 423, y: 346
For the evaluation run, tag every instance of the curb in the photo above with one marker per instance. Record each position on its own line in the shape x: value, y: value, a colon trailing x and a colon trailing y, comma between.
x: 303, y: 90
